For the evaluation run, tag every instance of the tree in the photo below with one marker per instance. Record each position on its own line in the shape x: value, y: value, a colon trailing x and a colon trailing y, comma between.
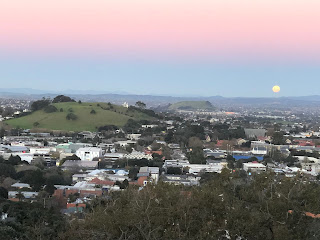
x: 20, y: 196
x: 129, y: 149
x: 50, y: 109
x: 3, y: 193
x: 196, y: 156
x: 174, y: 170
x: 50, y: 188
x: 62, y: 98
x: 133, y: 172
x: 278, y: 138
x: 131, y: 126
x: 40, y: 104
x: 7, y: 170
x: 2, y: 132
x: 79, y: 102
x: 36, y: 124
x: 71, y: 116
x: 34, y: 178
x: 140, y: 105
x: 195, y: 142
x: 14, y: 160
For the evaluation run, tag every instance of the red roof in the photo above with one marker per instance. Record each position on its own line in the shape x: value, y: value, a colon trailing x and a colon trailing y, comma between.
x: 102, y: 182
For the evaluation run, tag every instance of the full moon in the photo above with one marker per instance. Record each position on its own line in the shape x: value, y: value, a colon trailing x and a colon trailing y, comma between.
x: 276, y: 89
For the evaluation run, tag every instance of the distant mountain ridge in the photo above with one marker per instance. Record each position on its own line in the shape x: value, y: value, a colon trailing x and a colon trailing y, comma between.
x: 156, y: 100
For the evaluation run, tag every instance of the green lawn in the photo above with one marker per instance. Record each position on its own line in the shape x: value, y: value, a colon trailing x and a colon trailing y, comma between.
x: 192, y: 105
x: 85, y: 121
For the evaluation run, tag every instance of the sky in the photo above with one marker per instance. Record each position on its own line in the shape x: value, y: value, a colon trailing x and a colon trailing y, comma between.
x: 162, y: 47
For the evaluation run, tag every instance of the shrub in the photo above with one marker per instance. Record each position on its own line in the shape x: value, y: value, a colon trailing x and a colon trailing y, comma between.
x: 71, y: 116
x: 93, y: 111
x: 50, y: 109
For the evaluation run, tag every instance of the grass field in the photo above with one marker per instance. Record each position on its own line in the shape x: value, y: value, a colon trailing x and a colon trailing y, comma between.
x: 192, y: 105
x: 118, y: 116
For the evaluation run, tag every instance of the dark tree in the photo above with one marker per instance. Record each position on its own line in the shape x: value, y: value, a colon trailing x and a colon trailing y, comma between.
x: 14, y: 160
x: 62, y: 98
x: 7, y: 170
x: 3, y: 193
x: 71, y: 116
x: 140, y: 105
x: 40, y: 104
x: 34, y: 178
x: 278, y: 138
x: 50, y: 109
x: 174, y: 170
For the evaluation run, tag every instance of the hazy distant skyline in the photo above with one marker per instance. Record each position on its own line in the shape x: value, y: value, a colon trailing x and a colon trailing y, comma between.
x: 161, y: 47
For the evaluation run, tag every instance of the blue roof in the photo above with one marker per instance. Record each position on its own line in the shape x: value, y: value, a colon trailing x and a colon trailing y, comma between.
x: 238, y: 157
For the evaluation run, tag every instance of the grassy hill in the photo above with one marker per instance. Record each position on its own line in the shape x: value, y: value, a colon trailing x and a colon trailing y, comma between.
x: 104, y: 115
x: 192, y: 106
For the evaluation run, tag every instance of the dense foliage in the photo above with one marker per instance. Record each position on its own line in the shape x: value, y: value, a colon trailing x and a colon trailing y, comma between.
x: 40, y: 104
x: 62, y: 98
x: 226, y: 205
x: 30, y: 221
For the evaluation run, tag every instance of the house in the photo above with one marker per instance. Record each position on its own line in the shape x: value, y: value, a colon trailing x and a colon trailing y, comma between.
x: 76, y: 164
x: 125, y: 143
x: 113, y: 156
x: 14, y: 195
x: 215, y: 154
x: 149, y: 126
x: 138, y: 155
x: 254, y: 167
x: 198, y: 168
x: 260, y: 151
x: 88, y: 154
x: 20, y: 186
x: 134, y: 136
x: 186, y: 180
x: 255, y: 133
x: 152, y: 173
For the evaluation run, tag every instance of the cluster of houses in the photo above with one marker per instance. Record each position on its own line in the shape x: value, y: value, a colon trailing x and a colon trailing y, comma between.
x: 91, y: 179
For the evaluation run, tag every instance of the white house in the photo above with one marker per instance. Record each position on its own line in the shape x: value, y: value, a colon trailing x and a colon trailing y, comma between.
x: 134, y: 136
x: 138, y: 155
x: 88, y: 154
x: 197, y: 168
x: 254, y: 167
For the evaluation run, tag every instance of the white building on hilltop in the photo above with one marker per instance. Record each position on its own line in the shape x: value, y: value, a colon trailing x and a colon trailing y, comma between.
x: 88, y: 154
x: 125, y: 104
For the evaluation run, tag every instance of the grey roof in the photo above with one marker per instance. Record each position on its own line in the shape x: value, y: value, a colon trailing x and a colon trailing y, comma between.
x: 21, y: 185
x: 14, y: 148
x: 81, y: 164
x: 144, y: 174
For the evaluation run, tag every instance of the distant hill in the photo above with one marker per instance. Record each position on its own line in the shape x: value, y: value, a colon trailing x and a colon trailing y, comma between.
x: 192, y: 105
x: 90, y: 116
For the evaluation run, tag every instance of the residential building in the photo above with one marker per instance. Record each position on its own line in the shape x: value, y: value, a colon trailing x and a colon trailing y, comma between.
x: 88, y: 154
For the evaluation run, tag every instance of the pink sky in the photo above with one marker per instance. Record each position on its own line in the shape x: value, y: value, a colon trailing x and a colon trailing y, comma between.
x: 265, y: 28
